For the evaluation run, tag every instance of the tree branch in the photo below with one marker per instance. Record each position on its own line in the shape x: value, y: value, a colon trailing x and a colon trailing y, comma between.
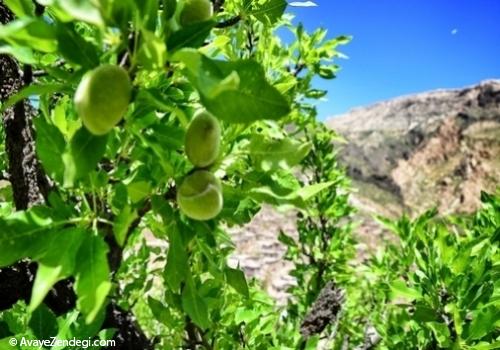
x: 298, y: 69
x: 129, y: 335
x: 116, y: 251
x: 324, y: 311
x: 218, y: 5
x: 195, y: 336
x: 228, y: 23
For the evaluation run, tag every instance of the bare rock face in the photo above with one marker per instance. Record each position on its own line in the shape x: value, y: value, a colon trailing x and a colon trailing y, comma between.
x: 412, y: 153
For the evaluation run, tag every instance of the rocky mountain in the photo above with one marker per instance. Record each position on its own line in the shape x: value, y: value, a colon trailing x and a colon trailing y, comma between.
x: 438, y: 148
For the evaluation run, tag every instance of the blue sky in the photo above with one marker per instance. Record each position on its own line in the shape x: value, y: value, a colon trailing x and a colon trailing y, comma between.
x: 405, y: 46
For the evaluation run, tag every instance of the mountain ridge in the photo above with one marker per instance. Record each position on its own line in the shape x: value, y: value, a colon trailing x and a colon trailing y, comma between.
x: 411, y: 95
x: 416, y: 137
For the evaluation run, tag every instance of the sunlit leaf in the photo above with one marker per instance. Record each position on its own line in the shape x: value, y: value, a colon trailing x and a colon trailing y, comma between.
x: 57, y: 264
x: 92, y: 283
x: 194, y: 305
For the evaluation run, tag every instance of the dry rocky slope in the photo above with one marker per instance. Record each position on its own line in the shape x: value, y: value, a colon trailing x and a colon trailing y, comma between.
x: 412, y: 153
x: 409, y: 154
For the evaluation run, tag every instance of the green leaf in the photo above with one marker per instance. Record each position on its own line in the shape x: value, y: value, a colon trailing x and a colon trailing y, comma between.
x: 5, y: 343
x: 21, y: 8
x: 285, y: 239
x: 122, y: 223
x: 26, y: 234
x: 29, y: 32
x: 160, y: 311
x: 269, y: 11
x: 441, y: 333
x: 148, y: 13
x: 453, y: 309
x: 312, y: 343
x: 82, y: 10
x: 169, y: 7
x: 424, y: 313
x: 16, y: 318
x: 138, y: 190
x: 238, y: 208
x: 461, y: 261
x: 92, y: 283
x: 33, y: 90
x: 400, y: 289
x: 236, y: 279
x: 245, y: 315
x: 194, y: 305
x: 177, y: 267
x: 153, y: 52
x: 252, y: 100
x: 50, y: 147
x: 57, y: 264
x: 327, y: 72
x: 307, y: 192
x: 84, y: 153
x: 43, y: 323
x: 483, y: 323
x: 167, y: 137
x: 236, y: 92
x: 73, y: 325
x: 117, y: 13
x: 22, y: 54
x: 296, y: 198
x: 74, y: 48
x: 193, y: 35
x: 316, y: 93
x: 64, y: 209
x: 486, y: 346
x: 270, y: 154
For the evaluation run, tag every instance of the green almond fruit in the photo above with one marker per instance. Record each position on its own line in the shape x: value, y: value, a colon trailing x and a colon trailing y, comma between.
x: 102, y: 98
x: 202, y: 142
x: 200, y: 196
x: 196, y: 11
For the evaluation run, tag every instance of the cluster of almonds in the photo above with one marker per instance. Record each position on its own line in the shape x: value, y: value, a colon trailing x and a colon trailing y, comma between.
x: 103, y: 96
x: 104, y: 93
x: 102, y: 99
x: 200, y: 194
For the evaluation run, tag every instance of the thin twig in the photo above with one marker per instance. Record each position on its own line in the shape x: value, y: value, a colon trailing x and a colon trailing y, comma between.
x: 228, y: 23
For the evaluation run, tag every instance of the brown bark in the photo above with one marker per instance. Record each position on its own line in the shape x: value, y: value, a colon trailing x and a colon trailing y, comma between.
x: 30, y: 187
x: 324, y: 311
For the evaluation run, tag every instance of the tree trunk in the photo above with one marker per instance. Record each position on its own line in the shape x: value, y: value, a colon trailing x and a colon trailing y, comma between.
x: 30, y: 187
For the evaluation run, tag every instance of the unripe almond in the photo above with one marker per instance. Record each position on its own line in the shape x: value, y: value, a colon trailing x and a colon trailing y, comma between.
x: 202, y: 142
x: 196, y: 11
x: 200, y: 196
x: 102, y: 98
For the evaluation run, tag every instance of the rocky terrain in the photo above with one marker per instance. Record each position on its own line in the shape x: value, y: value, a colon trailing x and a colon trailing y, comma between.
x: 409, y: 154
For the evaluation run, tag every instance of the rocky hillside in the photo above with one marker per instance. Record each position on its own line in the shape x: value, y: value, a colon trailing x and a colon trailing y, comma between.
x: 436, y: 148
x: 404, y: 155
